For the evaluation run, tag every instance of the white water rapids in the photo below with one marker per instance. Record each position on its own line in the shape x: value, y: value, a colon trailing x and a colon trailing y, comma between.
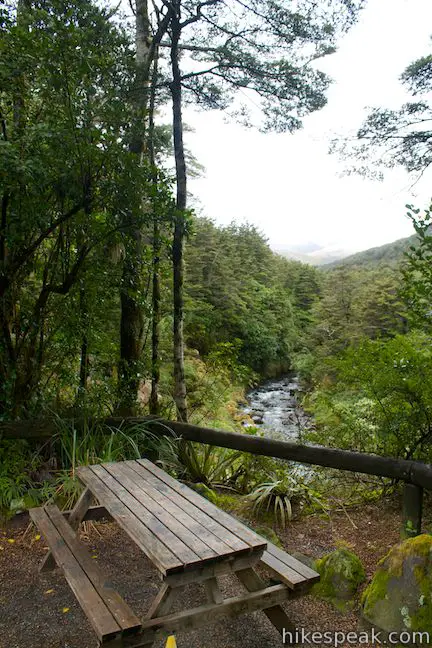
x: 274, y: 408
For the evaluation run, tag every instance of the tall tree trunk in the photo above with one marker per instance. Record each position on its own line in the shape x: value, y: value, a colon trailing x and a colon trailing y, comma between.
x: 9, y: 369
x: 154, y: 395
x: 156, y: 315
x: 7, y: 350
x: 84, y: 359
x: 132, y: 316
x: 131, y: 321
x: 178, y: 242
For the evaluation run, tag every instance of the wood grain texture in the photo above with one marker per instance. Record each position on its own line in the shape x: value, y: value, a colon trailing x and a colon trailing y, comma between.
x: 180, y: 509
x: 282, y: 571
x: 161, y: 556
x: 75, y: 518
x: 255, y: 542
x: 121, y: 612
x: 154, y: 502
x: 291, y: 562
x: 92, y: 604
x: 207, y: 614
x: 162, y: 533
x: 209, y: 571
x: 220, y: 532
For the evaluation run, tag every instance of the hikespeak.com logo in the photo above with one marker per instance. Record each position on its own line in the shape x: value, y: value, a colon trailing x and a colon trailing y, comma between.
x: 304, y: 637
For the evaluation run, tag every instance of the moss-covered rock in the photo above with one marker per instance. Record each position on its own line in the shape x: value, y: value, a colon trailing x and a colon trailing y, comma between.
x: 269, y: 534
x: 399, y: 597
x: 206, y: 492
x: 341, y: 574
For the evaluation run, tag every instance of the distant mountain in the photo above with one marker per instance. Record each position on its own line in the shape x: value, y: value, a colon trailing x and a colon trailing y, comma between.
x: 389, y: 254
x: 311, y: 253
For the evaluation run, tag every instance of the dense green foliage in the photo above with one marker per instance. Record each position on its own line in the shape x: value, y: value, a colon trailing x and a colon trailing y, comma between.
x: 89, y: 227
x: 72, y: 196
x: 242, y: 295
x: 370, y: 369
x: 371, y: 362
x: 64, y: 176
x: 88, y: 224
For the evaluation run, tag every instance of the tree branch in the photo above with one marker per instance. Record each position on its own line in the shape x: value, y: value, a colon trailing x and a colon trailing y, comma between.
x: 198, y: 14
x: 25, y: 255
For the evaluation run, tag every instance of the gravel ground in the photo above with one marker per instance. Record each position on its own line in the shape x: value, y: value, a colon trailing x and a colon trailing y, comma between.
x: 40, y: 611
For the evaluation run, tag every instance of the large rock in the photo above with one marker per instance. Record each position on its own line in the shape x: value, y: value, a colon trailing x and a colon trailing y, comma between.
x: 399, y: 598
x: 341, y: 574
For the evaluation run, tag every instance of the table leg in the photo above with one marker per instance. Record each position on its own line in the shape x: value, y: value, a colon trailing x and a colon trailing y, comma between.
x: 75, y: 518
x: 214, y: 595
x: 160, y: 606
x: 276, y: 614
x: 163, y: 601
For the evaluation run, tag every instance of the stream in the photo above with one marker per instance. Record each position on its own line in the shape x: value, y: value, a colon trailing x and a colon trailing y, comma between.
x: 274, y: 408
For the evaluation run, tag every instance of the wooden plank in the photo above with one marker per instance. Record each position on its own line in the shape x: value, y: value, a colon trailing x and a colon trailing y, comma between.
x: 80, y: 508
x: 206, y: 614
x: 293, y: 563
x: 75, y: 519
x: 162, y: 557
x: 282, y: 571
x: 161, y: 532
x: 214, y: 569
x: 240, y: 530
x: 412, y: 511
x: 163, y: 601
x: 93, y: 606
x: 153, y: 502
x: 275, y: 614
x: 177, y: 507
x: 224, y: 535
x: 119, y: 609
x: 410, y: 471
x: 94, y: 513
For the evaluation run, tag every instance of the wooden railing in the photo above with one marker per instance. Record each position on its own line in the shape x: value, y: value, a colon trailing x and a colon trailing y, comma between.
x: 416, y: 475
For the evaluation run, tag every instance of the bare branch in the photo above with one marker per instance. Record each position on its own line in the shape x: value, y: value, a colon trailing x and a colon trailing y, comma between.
x: 198, y: 14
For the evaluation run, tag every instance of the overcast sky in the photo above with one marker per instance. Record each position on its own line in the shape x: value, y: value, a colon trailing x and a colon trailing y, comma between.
x: 288, y: 185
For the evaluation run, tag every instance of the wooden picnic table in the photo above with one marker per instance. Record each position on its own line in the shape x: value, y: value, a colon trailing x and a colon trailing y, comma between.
x: 185, y: 536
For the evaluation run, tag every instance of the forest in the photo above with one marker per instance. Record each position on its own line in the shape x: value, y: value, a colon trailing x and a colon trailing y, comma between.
x: 124, y: 310
x: 117, y: 299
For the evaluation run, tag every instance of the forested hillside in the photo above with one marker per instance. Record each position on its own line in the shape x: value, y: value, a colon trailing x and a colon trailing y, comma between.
x: 391, y: 254
x: 369, y: 367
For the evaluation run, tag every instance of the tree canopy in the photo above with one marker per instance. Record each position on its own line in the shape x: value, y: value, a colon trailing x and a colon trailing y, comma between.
x: 391, y: 137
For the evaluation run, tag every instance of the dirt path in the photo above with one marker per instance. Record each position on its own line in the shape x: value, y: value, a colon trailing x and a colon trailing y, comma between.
x: 39, y: 611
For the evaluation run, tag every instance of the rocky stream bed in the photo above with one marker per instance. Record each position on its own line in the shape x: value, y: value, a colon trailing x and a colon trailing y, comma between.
x: 274, y: 407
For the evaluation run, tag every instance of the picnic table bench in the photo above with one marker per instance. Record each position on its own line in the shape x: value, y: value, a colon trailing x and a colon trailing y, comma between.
x: 185, y: 536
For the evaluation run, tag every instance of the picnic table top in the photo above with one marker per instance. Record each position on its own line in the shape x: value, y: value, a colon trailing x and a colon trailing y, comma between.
x: 174, y: 526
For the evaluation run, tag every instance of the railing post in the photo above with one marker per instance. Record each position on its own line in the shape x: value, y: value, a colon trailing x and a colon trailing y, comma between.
x: 412, y: 509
